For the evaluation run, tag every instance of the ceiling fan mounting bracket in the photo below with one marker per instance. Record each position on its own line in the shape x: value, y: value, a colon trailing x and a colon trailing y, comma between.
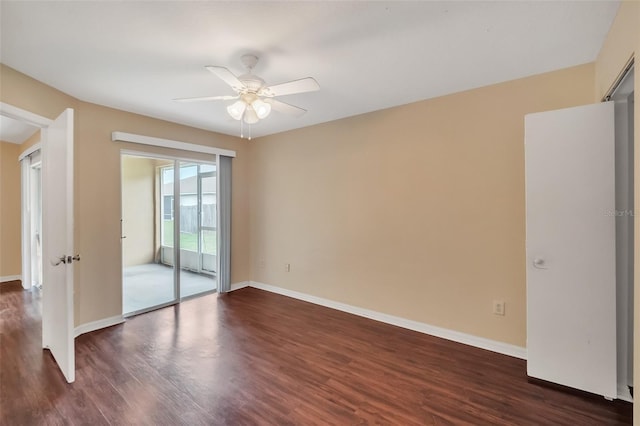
x: 249, y: 61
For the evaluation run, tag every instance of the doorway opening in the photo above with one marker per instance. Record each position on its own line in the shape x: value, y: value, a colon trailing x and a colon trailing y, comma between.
x: 169, y: 239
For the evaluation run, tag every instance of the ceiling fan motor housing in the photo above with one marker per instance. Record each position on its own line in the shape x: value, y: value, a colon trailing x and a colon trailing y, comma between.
x: 252, y: 82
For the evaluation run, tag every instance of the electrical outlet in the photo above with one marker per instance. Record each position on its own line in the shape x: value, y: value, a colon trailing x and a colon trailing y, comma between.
x: 498, y: 307
x: 262, y: 264
x: 287, y: 267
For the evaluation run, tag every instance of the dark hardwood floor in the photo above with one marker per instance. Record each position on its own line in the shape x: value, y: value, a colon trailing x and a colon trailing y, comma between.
x: 251, y: 357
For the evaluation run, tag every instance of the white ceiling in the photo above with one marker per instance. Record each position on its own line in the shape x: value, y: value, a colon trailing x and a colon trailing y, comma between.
x: 366, y: 56
x: 15, y: 131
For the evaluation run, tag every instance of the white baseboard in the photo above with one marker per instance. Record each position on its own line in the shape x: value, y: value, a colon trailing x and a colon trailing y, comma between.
x: 97, y: 325
x: 238, y: 286
x: 624, y: 394
x: 456, y: 336
x: 10, y: 278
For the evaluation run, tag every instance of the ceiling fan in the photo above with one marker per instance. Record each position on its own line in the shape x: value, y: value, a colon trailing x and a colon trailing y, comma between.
x: 255, y: 98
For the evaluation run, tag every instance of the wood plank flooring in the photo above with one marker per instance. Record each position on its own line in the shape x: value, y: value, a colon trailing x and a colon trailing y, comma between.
x: 251, y: 357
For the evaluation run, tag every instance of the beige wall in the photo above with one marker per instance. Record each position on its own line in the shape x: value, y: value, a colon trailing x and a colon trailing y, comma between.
x: 416, y: 211
x: 32, y: 140
x: 619, y: 47
x: 621, y: 44
x: 138, y: 210
x: 29, y: 143
x: 10, y: 240
x: 98, y: 289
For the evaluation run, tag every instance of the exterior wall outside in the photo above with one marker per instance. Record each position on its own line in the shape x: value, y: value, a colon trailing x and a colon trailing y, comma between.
x: 138, y: 210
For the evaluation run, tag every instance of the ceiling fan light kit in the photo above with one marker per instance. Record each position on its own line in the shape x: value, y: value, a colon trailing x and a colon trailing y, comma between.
x: 236, y: 109
x: 261, y: 108
x: 255, y: 99
x: 250, y: 116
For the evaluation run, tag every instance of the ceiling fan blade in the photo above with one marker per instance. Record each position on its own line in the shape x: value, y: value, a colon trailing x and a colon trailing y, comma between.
x: 285, y: 108
x: 227, y: 76
x: 296, y: 86
x: 207, y: 98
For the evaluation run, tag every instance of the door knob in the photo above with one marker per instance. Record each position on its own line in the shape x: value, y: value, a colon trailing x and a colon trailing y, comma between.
x: 66, y: 259
x: 61, y: 259
x: 539, y: 263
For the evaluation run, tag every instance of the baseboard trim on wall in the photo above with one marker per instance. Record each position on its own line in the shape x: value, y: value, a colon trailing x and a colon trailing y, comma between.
x: 624, y: 394
x: 456, y: 336
x: 239, y: 285
x: 97, y: 325
x: 10, y: 278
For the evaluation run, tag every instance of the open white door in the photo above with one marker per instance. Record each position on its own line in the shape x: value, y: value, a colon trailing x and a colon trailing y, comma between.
x: 57, y: 248
x: 571, y: 269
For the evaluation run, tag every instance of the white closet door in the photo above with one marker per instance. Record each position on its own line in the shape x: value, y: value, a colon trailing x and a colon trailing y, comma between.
x: 571, y: 275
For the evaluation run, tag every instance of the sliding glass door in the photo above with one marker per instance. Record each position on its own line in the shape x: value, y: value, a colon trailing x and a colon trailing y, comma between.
x: 197, y: 228
x: 147, y: 195
x: 169, y: 231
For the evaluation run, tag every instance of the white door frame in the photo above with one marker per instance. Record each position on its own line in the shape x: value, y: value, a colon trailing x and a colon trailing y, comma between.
x: 41, y: 123
x: 25, y: 116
